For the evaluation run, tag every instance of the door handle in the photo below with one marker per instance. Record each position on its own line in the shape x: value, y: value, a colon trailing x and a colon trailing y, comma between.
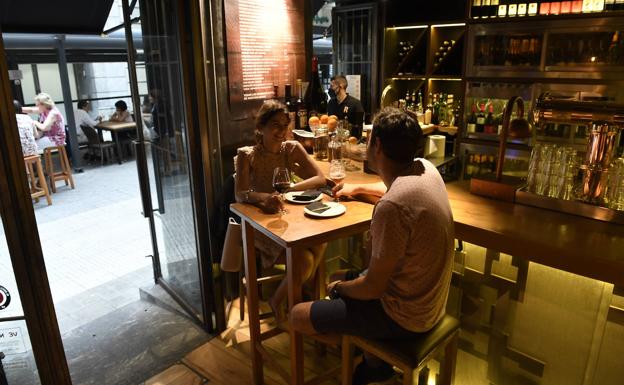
x: 143, y: 173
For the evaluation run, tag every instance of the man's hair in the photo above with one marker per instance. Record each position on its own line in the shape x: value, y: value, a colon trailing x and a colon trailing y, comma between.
x: 121, y: 105
x: 399, y: 133
x: 18, y: 106
x: 341, y: 80
x: 82, y: 104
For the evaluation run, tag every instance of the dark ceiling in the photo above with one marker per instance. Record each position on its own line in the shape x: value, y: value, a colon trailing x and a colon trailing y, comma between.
x: 54, y: 16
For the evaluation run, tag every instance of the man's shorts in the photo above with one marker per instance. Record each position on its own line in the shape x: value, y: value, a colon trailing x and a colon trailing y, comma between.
x: 355, y: 317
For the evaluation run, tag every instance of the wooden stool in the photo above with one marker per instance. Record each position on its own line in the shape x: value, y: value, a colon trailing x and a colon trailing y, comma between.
x: 65, y: 173
x: 34, y: 170
x: 409, y: 355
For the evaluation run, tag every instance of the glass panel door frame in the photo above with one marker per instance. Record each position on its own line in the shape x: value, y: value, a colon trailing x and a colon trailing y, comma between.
x: 24, y: 246
x: 198, y: 114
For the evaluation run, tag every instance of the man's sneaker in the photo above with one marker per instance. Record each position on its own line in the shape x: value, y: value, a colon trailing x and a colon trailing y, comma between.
x: 365, y: 374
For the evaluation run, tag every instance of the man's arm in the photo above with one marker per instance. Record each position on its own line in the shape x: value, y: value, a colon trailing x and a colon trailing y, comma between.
x: 373, y: 284
x: 347, y: 189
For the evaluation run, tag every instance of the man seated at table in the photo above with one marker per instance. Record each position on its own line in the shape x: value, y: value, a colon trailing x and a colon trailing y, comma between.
x: 26, y: 127
x: 406, y: 288
x: 121, y: 113
x: 82, y: 117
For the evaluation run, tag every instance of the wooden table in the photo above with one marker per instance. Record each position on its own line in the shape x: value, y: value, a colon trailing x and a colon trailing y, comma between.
x: 295, y: 232
x: 115, y: 128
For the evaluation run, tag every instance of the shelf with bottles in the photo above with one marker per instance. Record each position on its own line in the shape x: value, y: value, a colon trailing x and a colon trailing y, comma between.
x: 479, y: 164
x: 587, y: 51
x: 519, y: 50
x: 485, y: 105
x: 447, y: 49
x: 405, y: 51
x: 491, y: 11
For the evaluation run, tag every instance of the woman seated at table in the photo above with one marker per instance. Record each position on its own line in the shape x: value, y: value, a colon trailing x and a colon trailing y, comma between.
x: 51, y: 125
x: 121, y: 113
x: 254, y: 176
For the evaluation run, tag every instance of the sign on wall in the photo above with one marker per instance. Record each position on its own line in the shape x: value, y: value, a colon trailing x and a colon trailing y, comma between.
x: 265, y: 47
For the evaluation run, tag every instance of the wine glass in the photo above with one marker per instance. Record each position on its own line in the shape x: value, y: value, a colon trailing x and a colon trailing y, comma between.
x: 337, y: 173
x: 281, y: 182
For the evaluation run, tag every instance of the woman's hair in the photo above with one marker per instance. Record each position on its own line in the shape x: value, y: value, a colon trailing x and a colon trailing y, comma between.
x: 269, y: 109
x: 45, y: 99
x: 18, y: 106
x: 121, y: 105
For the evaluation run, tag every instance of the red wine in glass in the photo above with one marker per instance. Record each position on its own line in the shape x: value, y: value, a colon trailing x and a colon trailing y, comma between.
x: 281, y: 187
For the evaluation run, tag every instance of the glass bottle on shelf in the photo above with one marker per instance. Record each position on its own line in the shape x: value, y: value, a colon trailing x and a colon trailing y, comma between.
x: 471, y: 122
x: 619, y: 5
x: 475, y: 9
x: 480, y: 119
x: 577, y: 6
x: 290, y: 106
x: 522, y: 8
x: 489, y: 126
x: 419, y: 105
x: 512, y: 8
x: 598, y: 6
x: 610, y: 5
x: 588, y: 6
x: 533, y: 8
x: 544, y: 8
x: 302, y: 113
x: 315, y: 97
x: 566, y: 7
x: 502, y: 8
x: 485, y: 9
x: 555, y: 7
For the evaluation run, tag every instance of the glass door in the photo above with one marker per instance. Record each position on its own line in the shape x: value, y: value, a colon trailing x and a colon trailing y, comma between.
x: 169, y: 178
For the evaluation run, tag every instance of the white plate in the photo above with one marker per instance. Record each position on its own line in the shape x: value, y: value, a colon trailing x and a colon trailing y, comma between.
x: 335, y: 209
x: 289, y: 197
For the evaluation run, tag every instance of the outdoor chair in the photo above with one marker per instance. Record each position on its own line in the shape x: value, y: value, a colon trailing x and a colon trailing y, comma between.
x: 98, y: 147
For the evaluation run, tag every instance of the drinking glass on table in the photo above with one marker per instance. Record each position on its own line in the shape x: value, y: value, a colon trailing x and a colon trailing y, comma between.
x: 281, y: 183
x: 337, y: 173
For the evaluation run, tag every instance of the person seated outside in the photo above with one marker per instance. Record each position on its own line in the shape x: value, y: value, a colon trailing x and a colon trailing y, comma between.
x: 81, y: 114
x: 26, y: 127
x: 121, y: 113
x: 51, y: 125
x: 254, y: 185
x: 405, y: 290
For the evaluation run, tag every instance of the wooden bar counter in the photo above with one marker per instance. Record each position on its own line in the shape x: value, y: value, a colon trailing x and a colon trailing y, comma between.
x: 575, y: 244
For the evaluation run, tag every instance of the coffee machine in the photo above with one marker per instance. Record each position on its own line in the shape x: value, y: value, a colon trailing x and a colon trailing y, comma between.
x: 604, y: 122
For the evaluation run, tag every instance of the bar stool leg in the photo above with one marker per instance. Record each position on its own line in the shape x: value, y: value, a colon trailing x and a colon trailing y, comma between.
x: 42, y: 181
x: 32, y: 181
x: 66, y: 167
x: 49, y: 168
x: 447, y: 370
x: 347, y: 360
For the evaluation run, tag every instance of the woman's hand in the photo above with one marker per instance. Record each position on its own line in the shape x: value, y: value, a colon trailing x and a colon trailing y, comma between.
x: 271, y: 204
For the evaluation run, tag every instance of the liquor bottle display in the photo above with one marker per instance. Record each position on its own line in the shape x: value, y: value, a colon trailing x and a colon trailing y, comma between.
x: 315, y: 99
x: 501, y: 50
x: 484, y: 9
x: 475, y: 9
x: 594, y: 48
x: 301, y: 123
x: 290, y: 106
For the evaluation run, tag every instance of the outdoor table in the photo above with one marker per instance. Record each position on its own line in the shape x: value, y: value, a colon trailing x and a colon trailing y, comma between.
x: 115, y: 128
x: 295, y: 232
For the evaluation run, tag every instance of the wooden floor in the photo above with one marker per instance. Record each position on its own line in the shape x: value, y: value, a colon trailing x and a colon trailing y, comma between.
x: 225, y: 360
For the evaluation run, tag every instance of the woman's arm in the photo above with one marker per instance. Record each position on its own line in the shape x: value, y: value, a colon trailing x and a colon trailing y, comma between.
x: 47, y: 124
x: 266, y: 202
x: 310, y: 170
x: 30, y: 110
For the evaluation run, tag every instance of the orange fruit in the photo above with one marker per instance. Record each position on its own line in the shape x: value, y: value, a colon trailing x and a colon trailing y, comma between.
x: 333, y: 117
x: 332, y: 124
x: 353, y: 140
x: 313, y: 121
x: 324, y: 119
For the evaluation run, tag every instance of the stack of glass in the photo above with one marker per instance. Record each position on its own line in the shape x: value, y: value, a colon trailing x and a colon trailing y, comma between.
x: 615, y: 189
x: 552, y: 170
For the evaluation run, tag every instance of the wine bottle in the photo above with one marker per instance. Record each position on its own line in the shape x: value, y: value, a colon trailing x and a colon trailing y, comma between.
x: 419, y: 106
x: 532, y: 11
x: 619, y: 5
x: 544, y: 7
x: 610, y: 5
x: 512, y: 9
x: 577, y: 6
x: 290, y: 106
x: 502, y: 8
x: 598, y: 6
x: 566, y: 7
x: 522, y: 8
x: 485, y: 9
x: 494, y: 8
x: 588, y: 6
x: 315, y: 98
x: 275, y: 92
x: 471, y: 122
x: 475, y: 10
x: 480, y: 119
x: 555, y: 7
x: 301, y: 122
x: 488, y: 125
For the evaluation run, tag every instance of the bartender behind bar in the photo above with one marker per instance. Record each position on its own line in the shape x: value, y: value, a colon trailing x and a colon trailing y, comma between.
x: 344, y: 105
